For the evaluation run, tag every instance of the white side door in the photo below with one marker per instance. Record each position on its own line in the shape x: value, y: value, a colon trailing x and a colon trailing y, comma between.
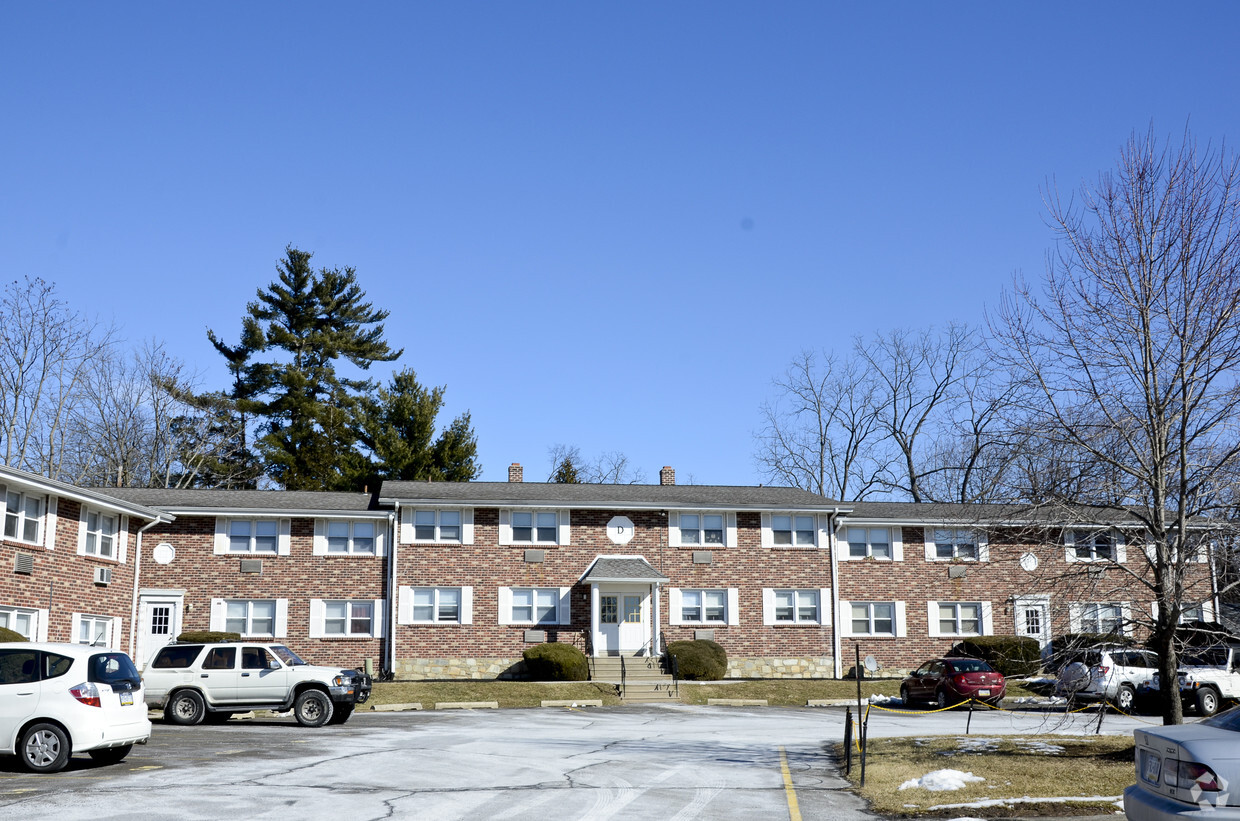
x: 634, y: 621
x: 1033, y: 619
x: 159, y: 620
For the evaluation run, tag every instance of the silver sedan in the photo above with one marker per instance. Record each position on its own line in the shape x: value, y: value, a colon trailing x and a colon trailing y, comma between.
x: 1187, y: 771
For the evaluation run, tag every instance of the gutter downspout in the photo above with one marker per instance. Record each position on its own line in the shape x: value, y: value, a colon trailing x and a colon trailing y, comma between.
x: 836, y: 652
x: 389, y: 665
x: 137, y: 574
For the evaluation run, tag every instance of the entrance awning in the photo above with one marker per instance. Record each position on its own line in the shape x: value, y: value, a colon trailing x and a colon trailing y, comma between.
x: 623, y: 569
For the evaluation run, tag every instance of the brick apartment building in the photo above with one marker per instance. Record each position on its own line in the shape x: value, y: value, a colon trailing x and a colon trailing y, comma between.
x: 455, y: 580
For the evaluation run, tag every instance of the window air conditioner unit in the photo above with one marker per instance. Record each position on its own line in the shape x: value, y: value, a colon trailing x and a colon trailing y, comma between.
x: 103, y: 575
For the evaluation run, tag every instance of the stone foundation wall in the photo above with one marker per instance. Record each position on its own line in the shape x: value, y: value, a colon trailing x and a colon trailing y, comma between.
x: 781, y: 667
x: 458, y: 668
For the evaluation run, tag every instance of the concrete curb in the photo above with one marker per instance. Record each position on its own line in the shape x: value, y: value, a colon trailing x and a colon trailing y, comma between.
x: 736, y: 702
x: 590, y: 702
x: 396, y: 708
x: 466, y: 705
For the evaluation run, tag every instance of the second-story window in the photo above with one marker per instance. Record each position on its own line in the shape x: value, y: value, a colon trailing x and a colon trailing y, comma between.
x: 793, y: 530
x: 701, y: 528
x: 253, y: 536
x: 351, y: 537
x: 437, y: 525
x: 534, y: 527
x: 100, y: 535
x: 23, y: 517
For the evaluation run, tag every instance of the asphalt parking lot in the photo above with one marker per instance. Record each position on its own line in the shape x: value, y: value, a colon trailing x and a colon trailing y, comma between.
x: 659, y: 762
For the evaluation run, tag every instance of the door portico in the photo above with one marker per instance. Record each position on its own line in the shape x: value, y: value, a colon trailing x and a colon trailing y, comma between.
x: 624, y: 606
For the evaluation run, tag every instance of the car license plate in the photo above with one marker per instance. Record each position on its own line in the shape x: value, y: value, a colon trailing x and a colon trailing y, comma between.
x: 126, y: 699
x: 1151, y: 765
x: 983, y: 692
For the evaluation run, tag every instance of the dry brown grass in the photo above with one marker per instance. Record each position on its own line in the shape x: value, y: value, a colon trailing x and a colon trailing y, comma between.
x: 506, y: 693
x: 1012, y: 766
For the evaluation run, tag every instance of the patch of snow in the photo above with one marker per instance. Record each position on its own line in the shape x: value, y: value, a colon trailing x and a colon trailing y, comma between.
x: 1008, y: 802
x: 877, y: 698
x: 942, y: 780
x: 1040, y: 747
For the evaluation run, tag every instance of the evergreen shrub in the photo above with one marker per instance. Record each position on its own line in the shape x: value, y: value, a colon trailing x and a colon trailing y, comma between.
x: 699, y: 659
x: 554, y: 661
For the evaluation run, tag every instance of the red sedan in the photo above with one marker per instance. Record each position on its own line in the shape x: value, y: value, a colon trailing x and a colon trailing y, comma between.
x: 950, y: 681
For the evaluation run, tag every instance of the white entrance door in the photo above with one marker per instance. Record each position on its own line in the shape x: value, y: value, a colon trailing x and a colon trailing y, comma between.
x: 160, y: 622
x: 623, y: 621
x: 1033, y: 619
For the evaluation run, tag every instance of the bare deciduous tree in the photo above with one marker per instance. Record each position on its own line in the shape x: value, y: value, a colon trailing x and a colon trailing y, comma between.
x: 1130, y: 357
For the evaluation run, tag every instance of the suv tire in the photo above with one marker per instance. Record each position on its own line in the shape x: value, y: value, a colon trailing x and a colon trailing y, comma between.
x: 110, y: 755
x: 216, y: 718
x: 185, y: 708
x: 44, y: 748
x: 1207, y: 701
x: 340, y: 713
x: 312, y: 708
x: 1126, y: 699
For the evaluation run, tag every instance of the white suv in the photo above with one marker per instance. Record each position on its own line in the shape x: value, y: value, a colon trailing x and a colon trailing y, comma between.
x: 60, y: 699
x: 209, y: 682
x: 1107, y: 673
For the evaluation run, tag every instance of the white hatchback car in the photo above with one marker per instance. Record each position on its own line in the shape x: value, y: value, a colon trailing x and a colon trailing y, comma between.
x: 60, y: 699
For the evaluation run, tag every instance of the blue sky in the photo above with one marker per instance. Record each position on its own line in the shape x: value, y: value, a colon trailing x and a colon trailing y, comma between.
x: 600, y: 224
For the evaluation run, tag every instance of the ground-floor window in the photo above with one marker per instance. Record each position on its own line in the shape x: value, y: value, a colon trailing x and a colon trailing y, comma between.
x: 792, y: 606
x: 20, y: 620
x: 251, y: 617
x: 959, y: 618
x: 1104, y: 617
x: 873, y: 618
x: 93, y: 630
x: 435, y: 605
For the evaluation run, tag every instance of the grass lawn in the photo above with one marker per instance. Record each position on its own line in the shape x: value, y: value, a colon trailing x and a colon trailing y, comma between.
x: 1013, y: 767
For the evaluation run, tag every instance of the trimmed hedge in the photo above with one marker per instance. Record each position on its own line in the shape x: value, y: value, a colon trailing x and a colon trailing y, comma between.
x: 554, y: 661
x: 10, y: 635
x: 207, y: 637
x: 1010, y: 655
x: 699, y: 659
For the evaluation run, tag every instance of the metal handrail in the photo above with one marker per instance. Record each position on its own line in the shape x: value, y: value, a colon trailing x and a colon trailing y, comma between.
x: 622, y: 677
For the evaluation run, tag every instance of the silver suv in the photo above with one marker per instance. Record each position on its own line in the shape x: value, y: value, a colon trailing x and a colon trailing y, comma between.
x: 1107, y: 673
x: 196, y: 682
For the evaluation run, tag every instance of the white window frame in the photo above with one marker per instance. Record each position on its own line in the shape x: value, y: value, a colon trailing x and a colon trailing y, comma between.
x: 120, y: 535
x: 731, y: 605
x: 899, y: 619
x: 562, y: 534
x: 973, y: 536
x: 895, y: 537
x: 219, y: 617
x: 676, y: 530
x: 408, y: 527
x: 794, y: 532
x: 224, y: 528
x: 319, y: 617
x: 21, y: 516
x: 35, y: 619
x: 405, y: 605
x: 1077, y: 616
x: 770, y: 606
x: 1118, y: 545
x: 323, y: 537
x: 985, y: 619
x: 111, y: 626
x: 562, y: 613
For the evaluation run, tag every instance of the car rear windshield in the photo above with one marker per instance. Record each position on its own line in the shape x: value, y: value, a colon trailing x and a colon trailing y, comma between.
x: 971, y: 666
x: 1226, y: 720
x: 112, y: 668
x: 181, y: 655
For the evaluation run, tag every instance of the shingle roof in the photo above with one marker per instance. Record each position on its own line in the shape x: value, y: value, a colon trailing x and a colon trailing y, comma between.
x: 109, y: 497
x: 943, y: 512
x: 622, y: 569
x: 606, y: 496
x: 195, y: 499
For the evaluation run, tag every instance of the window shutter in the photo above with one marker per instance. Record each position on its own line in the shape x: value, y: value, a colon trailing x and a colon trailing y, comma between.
x: 117, y: 623
x: 768, y: 538
x: 1121, y: 548
x: 4, y: 502
x: 505, y: 527
x: 730, y: 537
x: 841, y: 543
x: 1074, y: 618
x: 1154, y: 609
x: 566, y: 605
x: 381, y: 534
x: 75, y: 624
x: 565, y: 528
x: 82, y: 518
x: 281, y: 618
x: 845, y: 618
x: 318, y: 619
x: 1069, y: 545
x: 983, y: 548
x: 1125, y: 614
x: 768, y: 606
x: 406, y: 525
x: 221, y: 536
x: 931, y: 553
x: 505, y: 605
x: 901, y: 620
x: 49, y: 534
x: 897, y: 544
x: 1207, y: 609
x: 673, y: 528
x: 734, y: 610
x: 824, y: 606
x: 467, y: 526
x: 988, y: 619
x: 824, y: 530
x: 932, y: 619
x: 219, y: 615
x: 123, y: 536
x: 675, y: 614
x: 320, y: 542
x: 404, y: 606
x: 467, y: 605
x: 379, y: 618
x: 284, y: 546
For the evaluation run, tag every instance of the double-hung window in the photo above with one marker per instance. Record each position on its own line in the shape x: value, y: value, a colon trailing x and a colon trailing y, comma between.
x: 100, y: 535
x: 1102, y: 617
x: 873, y: 619
x: 535, y: 605
x: 19, y: 621
x: 251, y: 617
x: 872, y: 542
x: 253, y: 536
x: 348, y: 618
x: 701, y: 529
x: 23, y: 517
x: 792, y: 530
x: 344, y: 537
x: 437, y: 605
x: 960, y: 618
x: 534, y: 526
x: 704, y: 606
x: 96, y: 630
x: 437, y: 525
x: 1094, y: 545
x: 955, y: 544
x: 796, y: 607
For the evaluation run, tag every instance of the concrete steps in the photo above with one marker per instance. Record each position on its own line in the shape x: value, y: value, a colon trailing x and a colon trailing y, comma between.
x: 644, y: 679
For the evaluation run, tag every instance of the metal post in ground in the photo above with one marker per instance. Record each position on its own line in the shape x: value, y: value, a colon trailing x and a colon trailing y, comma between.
x: 848, y: 739
x: 968, y: 722
x: 1102, y: 710
x: 865, y: 742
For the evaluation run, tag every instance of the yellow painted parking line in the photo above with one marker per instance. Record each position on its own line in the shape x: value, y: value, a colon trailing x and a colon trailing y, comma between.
x: 794, y: 810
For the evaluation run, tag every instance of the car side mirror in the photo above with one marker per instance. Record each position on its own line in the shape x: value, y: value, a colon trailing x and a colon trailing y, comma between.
x: 273, y: 664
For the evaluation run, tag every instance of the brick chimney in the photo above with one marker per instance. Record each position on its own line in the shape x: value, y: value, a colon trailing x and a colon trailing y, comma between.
x: 514, y: 472
x: 667, y: 476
